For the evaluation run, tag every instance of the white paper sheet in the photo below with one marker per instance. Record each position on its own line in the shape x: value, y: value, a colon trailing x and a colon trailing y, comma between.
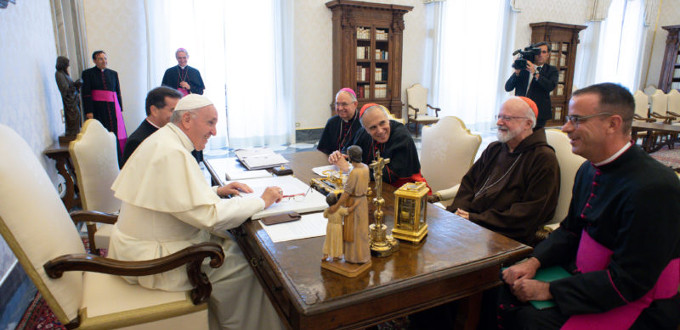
x: 310, y: 225
x: 313, y: 201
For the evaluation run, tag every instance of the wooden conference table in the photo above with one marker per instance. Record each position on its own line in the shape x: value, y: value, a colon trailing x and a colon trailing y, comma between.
x: 457, y: 260
x: 654, y: 132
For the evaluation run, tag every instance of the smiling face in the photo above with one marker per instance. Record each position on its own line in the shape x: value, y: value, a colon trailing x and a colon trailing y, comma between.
x: 588, y: 138
x: 182, y: 58
x: 513, y: 123
x: 200, y: 125
x: 345, y: 106
x: 376, y: 124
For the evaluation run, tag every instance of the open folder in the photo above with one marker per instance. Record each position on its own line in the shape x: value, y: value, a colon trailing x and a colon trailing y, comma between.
x: 259, y: 158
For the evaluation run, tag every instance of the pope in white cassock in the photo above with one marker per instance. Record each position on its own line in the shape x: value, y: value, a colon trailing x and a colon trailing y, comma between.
x: 167, y: 205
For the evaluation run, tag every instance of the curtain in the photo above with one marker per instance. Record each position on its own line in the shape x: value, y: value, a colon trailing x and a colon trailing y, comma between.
x: 621, y: 37
x: 467, y: 65
x: 69, y: 34
x: 238, y: 48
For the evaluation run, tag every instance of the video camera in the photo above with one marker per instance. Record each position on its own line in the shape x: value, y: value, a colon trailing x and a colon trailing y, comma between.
x: 527, y: 54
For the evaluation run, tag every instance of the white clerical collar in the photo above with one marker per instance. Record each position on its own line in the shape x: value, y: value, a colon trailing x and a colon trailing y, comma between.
x: 182, y: 67
x: 152, y: 124
x: 616, y: 155
x: 186, y: 142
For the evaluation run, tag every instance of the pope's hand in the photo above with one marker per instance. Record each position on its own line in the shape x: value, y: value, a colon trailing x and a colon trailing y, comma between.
x: 272, y: 195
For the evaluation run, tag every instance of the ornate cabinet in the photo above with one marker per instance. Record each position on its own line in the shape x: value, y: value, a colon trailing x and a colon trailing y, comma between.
x: 367, y: 51
x: 670, y: 68
x: 563, y: 40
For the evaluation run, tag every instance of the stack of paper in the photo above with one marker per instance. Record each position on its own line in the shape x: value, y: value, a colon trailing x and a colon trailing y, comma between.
x: 259, y: 158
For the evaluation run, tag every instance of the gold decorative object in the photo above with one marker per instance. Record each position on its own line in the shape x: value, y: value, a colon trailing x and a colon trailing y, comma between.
x: 382, y: 245
x: 410, y: 212
x: 332, y: 183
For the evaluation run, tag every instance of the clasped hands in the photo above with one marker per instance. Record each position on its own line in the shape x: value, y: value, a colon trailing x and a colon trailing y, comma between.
x: 270, y: 195
x: 184, y: 85
x: 519, y: 278
x: 340, y: 160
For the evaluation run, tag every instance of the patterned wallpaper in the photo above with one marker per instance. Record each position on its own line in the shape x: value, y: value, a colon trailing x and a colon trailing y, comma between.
x: 30, y: 101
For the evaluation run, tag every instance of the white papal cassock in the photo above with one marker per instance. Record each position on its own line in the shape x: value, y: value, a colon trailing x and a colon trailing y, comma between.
x: 167, y: 205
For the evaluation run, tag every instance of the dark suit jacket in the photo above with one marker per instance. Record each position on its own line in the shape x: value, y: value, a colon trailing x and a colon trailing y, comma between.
x: 105, y: 112
x: 193, y: 77
x: 140, y: 134
x: 539, y: 91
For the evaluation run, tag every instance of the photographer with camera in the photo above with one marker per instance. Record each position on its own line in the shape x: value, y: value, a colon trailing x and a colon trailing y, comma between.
x: 534, y: 78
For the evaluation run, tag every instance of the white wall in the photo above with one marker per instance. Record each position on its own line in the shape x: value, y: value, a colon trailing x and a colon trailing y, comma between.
x: 313, y: 57
x: 30, y: 102
x: 119, y: 29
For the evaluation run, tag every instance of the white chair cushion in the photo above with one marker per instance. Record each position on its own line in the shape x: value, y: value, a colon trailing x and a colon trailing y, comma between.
x: 110, y: 301
x: 674, y: 101
x: 35, y: 224
x: 103, y: 235
x: 448, y: 151
x: 659, y: 102
x: 569, y: 165
x: 416, y: 96
x: 95, y: 158
x: 641, y: 104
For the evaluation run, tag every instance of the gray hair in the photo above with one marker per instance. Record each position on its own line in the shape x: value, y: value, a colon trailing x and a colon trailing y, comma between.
x: 374, y: 108
x: 531, y: 116
x: 177, y: 114
x: 182, y: 50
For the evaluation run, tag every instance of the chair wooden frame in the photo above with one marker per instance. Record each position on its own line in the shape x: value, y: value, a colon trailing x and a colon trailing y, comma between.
x: 418, y: 111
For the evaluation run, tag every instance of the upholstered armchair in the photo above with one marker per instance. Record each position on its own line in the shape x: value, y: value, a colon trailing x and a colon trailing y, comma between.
x: 659, y: 107
x: 448, y: 151
x: 569, y: 164
x: 95, y: 159
x: 673, y: 103
x: 642, y: 107
x: 416, y: 106
x: 83, y: 290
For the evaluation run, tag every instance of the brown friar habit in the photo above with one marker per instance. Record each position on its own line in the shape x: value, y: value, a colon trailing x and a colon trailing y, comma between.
x: 512, y: 193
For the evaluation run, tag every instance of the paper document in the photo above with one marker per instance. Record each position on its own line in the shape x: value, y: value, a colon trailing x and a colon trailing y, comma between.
x: 310, y: 225
x: 319, y: 170
x: 259, y: 158
x: 311, y: 202
x: 231, y: 169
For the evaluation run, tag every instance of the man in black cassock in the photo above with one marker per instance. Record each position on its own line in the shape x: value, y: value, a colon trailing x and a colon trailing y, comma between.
x: 620, y: 239
x: 342, y: 128
x: 536, y: 81
x: 392, y: 139
x: 182, y: 77
x: 102, y: 99
x: 160, y: 103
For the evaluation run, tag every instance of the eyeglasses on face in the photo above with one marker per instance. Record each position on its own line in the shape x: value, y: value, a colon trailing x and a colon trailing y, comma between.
x: 341, y: 104
x: 576, y: 119
x: 508, y: 118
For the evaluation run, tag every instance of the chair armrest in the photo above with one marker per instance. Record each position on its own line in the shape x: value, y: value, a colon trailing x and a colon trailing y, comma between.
x: 648, y: 120
x: 666, y: 119
x: 436, y: 110
x: 448, y: 193
x: 93, y: 216
x: 191, y: 256
x: 674, y: 114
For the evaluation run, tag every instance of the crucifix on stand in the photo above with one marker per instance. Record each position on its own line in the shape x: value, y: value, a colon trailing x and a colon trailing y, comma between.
x: 382, y: 245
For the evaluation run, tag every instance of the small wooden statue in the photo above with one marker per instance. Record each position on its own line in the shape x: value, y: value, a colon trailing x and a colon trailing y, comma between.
x: 70, y: 97
x: 355, y: 233
x: 333, y: 244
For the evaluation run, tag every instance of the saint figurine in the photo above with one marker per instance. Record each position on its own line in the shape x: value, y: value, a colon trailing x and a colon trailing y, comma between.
x: 355, y: 230
x: 70, y: 96
x: 332, y: 245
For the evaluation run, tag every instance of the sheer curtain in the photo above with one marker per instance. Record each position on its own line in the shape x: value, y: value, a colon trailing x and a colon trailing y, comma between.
x: 620, y: 47
x: 468, y: 74
x: 239, y: 49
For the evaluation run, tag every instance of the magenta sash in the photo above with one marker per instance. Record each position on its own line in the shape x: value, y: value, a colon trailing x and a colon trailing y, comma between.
x: 183, y: 91
x: 593, y: 256
x: 109, y: 96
